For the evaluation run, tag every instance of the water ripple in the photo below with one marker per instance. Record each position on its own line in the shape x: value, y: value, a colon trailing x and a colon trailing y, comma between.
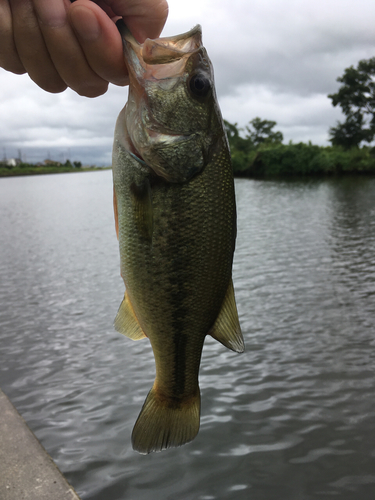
x: 293, y: 417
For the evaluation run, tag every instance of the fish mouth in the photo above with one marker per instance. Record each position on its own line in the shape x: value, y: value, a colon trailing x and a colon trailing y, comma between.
x: 159, y: 58
x: 159, y: 66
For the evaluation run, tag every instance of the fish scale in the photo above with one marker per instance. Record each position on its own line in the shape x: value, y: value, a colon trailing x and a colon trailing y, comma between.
x: 176, y: 237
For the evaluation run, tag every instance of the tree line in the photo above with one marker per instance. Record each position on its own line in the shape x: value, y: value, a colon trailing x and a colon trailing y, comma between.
x: 48, y: 167
x: 257, y: 150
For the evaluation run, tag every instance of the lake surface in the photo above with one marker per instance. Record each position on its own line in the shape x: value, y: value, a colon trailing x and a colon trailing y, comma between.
x: 291, y: 418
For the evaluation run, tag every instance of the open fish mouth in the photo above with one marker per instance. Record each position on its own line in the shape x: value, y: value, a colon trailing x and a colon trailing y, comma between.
x: 164, y: 75
x: 176, y: 240
x: 158, y: 52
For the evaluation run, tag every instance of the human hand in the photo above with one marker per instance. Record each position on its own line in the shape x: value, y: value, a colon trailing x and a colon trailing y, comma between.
x: 76, y: 45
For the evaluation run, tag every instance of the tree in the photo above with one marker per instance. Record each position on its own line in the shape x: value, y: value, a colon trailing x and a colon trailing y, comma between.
x: 242, y: 149
x: 350, y: 133
x: 235, y: 140
x: 356, y: 97
x: 261, y: 132
x: 245, y: 149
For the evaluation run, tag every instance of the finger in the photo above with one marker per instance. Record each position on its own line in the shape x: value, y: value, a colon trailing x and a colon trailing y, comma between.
x: 145, y: 18
x: 100, y: 41
x: 65, y: 50
x: 9, y: 58
x: 32, y: 49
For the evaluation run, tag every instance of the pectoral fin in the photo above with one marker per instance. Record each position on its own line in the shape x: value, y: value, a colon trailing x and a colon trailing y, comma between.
x: 227, y: 328
x: 126, y: 321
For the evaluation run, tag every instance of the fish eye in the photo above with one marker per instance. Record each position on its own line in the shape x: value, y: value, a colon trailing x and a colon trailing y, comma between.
x: 199, y: 85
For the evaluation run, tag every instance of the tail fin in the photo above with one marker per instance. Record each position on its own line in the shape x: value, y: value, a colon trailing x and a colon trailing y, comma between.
x: 164, y: 423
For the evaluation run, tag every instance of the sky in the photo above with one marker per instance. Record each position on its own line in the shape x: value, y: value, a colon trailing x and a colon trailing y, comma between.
x: 273, y: 59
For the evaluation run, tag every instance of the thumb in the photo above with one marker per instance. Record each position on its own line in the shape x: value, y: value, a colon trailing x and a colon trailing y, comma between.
x: 144, y: 18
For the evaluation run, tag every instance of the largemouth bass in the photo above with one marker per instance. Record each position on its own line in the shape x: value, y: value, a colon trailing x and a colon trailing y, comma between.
x: 175, y: 217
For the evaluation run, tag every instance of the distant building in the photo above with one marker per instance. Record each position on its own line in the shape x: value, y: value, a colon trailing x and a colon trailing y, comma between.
x: 11, y: 162
x: 51, y: 162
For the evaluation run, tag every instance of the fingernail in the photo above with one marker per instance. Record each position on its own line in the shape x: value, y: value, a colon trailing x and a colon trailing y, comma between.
x: 85, y: 23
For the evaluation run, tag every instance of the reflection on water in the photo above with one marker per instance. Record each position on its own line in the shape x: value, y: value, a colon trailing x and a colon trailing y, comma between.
x: 293, y: 417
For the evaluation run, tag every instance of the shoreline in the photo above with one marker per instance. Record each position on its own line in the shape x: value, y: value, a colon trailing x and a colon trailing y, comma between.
x: 45, y: 171
x: 239, y: 174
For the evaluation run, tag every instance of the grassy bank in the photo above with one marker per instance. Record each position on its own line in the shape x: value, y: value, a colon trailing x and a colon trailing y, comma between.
x: 281, y: 160
x: 266, y: 160
x: 31, y: 169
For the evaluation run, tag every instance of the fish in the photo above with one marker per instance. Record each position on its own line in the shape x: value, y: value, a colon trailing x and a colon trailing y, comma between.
x: 175, y: 215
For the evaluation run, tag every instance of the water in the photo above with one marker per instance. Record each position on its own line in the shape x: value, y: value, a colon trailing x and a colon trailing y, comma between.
x: 293, y: 417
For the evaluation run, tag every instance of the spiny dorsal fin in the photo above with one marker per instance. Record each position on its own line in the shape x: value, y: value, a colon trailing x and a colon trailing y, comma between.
x: 126, y: 322
x: 227, y: 328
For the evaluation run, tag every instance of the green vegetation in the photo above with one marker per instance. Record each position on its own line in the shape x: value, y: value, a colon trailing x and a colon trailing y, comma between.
x: 48, y: 167
x: 268, y: 157
x: 356, y: 97
x: 258, y: 151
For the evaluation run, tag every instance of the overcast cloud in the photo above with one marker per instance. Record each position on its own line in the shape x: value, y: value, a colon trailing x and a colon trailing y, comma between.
x: 274, y: 59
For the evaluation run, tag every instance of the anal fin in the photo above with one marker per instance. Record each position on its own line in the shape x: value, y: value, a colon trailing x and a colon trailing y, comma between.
x: 227, y: 328
x: 126, y: 321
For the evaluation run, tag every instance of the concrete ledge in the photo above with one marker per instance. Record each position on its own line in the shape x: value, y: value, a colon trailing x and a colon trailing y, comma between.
x: 27, y: 472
